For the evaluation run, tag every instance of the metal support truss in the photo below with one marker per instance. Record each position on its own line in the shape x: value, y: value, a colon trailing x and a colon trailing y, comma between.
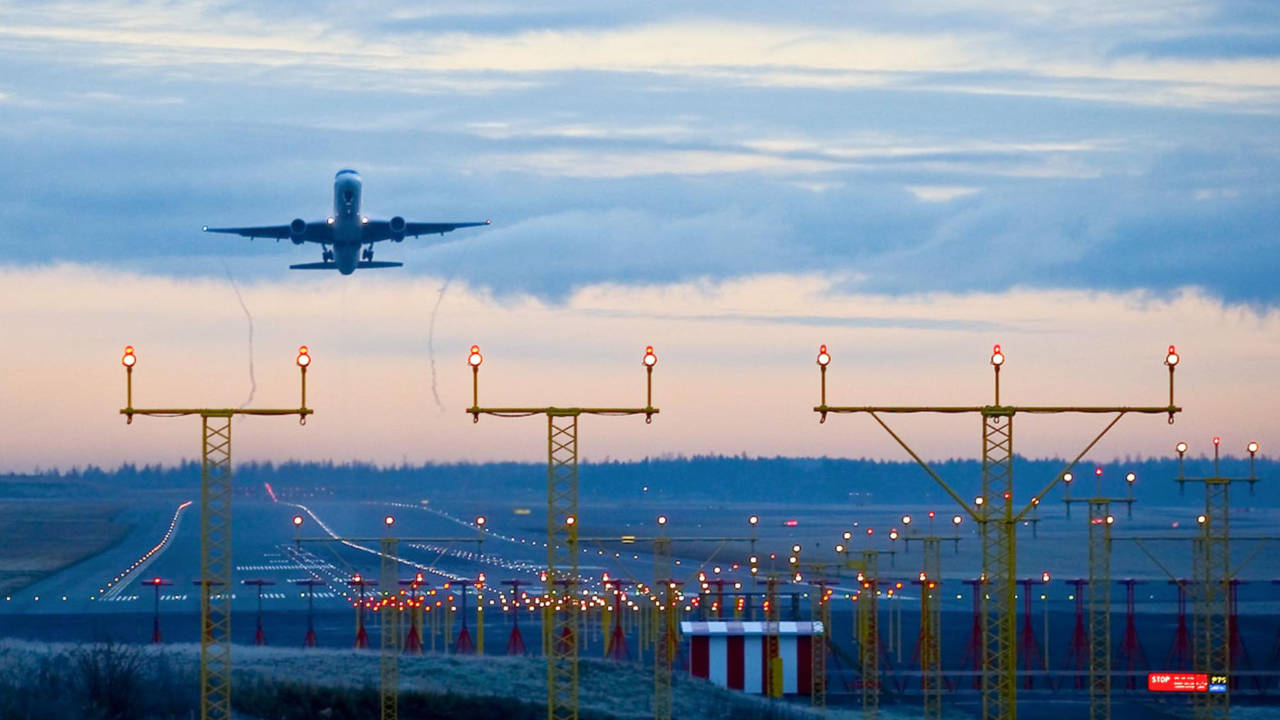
x: 869, y: 634
x: 664, y: 628
x: 1099, y: 609
x: 215, y: 567
x: 931, y: 629
x: 389, y: 610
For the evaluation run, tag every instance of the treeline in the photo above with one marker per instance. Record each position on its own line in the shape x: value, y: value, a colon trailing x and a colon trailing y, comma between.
x: 703, y: 478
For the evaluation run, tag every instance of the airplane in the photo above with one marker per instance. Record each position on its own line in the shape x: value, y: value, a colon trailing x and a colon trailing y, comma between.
x: 346, y: 230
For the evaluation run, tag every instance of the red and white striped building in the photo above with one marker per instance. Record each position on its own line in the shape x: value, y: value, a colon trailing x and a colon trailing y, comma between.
x: 732, y: 654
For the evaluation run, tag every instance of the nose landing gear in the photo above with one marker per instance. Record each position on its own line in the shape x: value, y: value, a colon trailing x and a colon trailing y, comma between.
x: 327, y: 255
x: 367, y: 255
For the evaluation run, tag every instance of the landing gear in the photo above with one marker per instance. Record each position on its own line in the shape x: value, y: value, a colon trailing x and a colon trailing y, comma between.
x: 367, y: 255
x: 327, y: 255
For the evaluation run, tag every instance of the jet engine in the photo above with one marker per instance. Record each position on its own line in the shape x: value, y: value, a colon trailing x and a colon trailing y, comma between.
x: 397, y: 226
x: 297, y: 230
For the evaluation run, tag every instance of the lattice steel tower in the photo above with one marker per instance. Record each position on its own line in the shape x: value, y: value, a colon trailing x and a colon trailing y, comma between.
x: 215, y: 529
x: 995, y: 513
x: 561, y: 634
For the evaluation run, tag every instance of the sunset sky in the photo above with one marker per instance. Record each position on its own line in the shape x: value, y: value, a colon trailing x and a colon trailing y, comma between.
x: 733, y: 183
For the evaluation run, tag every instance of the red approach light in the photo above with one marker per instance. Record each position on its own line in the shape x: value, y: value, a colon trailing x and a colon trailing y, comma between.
x: 1217, y: 440
x: 129, y: 359
x: 791, y: 523
x: 304, y: 357
x: 650, y: 359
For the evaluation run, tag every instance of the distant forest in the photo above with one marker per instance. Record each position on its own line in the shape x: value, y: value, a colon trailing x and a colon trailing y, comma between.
x: 700, y: 478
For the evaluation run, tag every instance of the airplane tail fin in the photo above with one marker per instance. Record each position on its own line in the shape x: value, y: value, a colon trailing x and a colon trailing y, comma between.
x: 334, y: 266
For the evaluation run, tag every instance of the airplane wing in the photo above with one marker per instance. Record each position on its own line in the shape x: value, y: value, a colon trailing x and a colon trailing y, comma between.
x: 319, y: 231
x: 376, y: 230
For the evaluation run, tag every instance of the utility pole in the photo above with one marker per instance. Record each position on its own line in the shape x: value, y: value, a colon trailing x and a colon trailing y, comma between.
x: 995, y: 513
x: 562, y: 527
x: 157, y: 583
x: 215, y: 529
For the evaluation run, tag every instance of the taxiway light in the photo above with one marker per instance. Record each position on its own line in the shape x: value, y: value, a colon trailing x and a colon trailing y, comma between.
x: 297, y: 521
x: 1171, y: 358
x: 1181, y: 447
x: 1130, y: 477
x: 1252, y: 448
x: 475, y: 358
x: 997, y: 356
x: 129, y: 359
x: 824, y: 357
x: 304, y: 357
x: 650, y: 359
x: 389, y: 520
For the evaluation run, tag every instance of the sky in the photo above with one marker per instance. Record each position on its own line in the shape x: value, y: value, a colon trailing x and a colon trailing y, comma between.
x: 733, y: 183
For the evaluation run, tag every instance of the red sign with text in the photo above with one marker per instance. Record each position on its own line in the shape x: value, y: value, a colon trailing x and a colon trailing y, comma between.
x: 1178, y: 682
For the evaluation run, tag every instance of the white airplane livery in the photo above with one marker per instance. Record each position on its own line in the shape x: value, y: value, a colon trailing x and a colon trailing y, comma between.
x: 346, y: 237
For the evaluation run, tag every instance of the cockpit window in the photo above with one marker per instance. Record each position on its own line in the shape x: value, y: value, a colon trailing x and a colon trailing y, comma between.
x: 346, y: 195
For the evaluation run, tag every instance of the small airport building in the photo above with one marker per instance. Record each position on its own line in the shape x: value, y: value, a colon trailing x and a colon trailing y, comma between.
x: 732, y: 654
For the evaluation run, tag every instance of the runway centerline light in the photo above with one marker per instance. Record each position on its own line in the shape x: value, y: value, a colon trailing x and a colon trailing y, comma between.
x: 824, y: 357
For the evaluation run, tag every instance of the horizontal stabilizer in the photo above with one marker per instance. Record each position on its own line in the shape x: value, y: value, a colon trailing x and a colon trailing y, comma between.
x: 334, y: 266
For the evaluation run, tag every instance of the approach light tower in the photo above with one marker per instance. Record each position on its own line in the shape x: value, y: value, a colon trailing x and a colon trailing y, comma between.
x: 215, y: 529
x: 562, y: 525
x: 1211, y: 560
x: 994, y: 511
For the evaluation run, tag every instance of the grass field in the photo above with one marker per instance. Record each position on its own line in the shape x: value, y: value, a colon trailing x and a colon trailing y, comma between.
x: 40, y: 536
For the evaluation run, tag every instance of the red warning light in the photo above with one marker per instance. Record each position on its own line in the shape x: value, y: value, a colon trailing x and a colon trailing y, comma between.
x: 650, y: 359
x: 129, y: 359
x: 824, y: 357
x: 790, y: 523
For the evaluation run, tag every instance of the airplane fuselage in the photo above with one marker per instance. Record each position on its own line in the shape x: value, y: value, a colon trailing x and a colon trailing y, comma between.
x: 347, y: 221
